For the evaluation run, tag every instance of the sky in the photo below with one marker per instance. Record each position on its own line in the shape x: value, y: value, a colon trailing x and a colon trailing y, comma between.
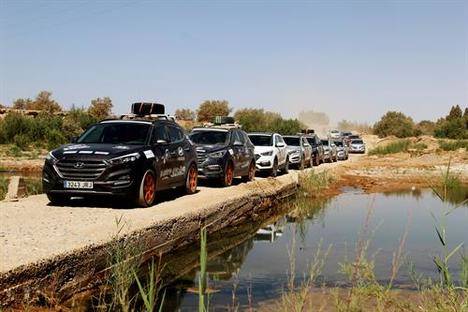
x: 353, y: 60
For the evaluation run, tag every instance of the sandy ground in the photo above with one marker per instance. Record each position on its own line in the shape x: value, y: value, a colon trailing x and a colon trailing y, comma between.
x: 31, y: 229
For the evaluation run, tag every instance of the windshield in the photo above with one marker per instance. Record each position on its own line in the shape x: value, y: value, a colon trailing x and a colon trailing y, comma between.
x: 294, y: 141
x: 338, y: 143
x: 357, y: 142
x: 325, y: 142
x: 116, y: 133
x: 209, y: 137
x: 261, y: 140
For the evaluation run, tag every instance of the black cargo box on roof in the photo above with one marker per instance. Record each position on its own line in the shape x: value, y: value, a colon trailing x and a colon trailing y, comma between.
x: 223, y: 120
x: 308, y: 131
x: 146, y: 108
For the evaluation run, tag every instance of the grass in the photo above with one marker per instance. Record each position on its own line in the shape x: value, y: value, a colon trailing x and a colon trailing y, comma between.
x: 399, y: 146
x: 3, y: 187
x: 453, y: 145
x: 312, y: 184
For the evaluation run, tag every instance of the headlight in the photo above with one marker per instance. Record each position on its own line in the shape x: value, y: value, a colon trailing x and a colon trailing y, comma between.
x: 217, y: 154
x: 269, y: 153
x: 124, y: 159
x: 51, y: 157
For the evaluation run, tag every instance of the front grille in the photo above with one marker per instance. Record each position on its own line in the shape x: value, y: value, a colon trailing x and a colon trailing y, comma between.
x: 85, y: 170
x: 201, y: 157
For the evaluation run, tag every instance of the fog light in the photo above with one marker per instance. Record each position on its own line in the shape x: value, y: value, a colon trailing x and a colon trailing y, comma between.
x: 213, y: 167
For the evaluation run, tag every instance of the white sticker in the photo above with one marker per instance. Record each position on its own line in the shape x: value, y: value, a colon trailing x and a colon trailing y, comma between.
x: 76, y: 146
x: 231, y: 151
x: 149, y: 154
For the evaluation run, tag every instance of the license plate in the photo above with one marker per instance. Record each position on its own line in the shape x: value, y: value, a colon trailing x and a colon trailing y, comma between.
x: 78, y: 185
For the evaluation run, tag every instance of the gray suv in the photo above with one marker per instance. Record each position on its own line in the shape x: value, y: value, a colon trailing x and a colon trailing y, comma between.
x: 300, y: 151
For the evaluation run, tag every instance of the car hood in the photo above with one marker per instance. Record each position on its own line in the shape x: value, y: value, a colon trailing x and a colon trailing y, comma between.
x: 101, y: 151
x: 210, y: 148
x: 293, y: 148
x: 263, y: 149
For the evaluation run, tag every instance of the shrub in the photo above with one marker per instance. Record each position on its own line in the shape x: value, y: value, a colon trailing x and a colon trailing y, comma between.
x: 394, y: 123
x: 253, y: 119
x: 22, y: 141
x: 54, y: 138
x: 453, y: 145
x: 392, y: 148
x: 454, y: 125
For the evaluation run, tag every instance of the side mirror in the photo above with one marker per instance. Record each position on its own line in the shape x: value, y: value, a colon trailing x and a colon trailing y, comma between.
x: 73, y: 139
x: 161, y: 142
x: 238, y: 143
x: 279, y: 144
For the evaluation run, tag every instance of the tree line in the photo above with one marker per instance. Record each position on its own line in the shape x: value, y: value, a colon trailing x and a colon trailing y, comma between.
x: 453, y: 126
x: 49, y: 129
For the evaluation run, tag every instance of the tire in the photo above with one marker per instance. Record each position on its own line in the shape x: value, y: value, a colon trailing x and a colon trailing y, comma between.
x: 286, y: 166
x: 191, y: 180
x: 274, y: 169
x: 147, y: 190
x: 251, y: 175
x: 58, y: 199
x: 228, y: 176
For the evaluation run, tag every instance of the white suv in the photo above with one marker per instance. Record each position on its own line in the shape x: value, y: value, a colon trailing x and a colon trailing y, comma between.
x: 271, y: 152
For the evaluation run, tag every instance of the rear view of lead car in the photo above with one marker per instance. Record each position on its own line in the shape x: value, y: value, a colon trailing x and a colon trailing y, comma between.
x: 132, y: 157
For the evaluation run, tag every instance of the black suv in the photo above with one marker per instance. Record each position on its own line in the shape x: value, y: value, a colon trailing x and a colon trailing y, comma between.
x: 318, y: 156
x: 133, y: 157
x: 224, y: 152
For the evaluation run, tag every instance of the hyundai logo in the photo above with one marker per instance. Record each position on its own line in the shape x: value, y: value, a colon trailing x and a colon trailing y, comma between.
x: 78, y: 165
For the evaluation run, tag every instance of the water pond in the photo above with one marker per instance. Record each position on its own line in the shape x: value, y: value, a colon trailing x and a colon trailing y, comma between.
x: 253, y: 261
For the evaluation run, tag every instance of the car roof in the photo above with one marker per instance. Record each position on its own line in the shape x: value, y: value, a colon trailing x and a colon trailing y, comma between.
x: 261, y: 133
x: 292, y: 136
x: 220, y: 129
x: 126, y: 121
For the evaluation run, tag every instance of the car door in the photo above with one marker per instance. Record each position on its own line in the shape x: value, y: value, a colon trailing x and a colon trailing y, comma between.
x: 308, y: 149
x: 281, y: 149
x: 160, y: 153
x: 177, y: 155
x: 238, y: 146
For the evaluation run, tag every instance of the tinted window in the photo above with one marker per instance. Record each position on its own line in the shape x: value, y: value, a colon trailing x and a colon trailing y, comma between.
x: 338, y: 143
x: 325, y: 142
x: 294, y: 141
x: 357, y: 142
x: 237, y: 136
x: 260, y: 140
x: 116, y: 133
x: 207, y: 137
x: 175, y: 134
x: 159, y: 133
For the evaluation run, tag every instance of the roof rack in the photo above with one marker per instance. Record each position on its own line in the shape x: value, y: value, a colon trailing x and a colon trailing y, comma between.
x: 150, y: 117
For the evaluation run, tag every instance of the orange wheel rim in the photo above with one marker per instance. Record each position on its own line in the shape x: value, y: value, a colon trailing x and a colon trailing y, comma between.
x: 193, y: 175
x: 148, y: 188
x: 229, y: 174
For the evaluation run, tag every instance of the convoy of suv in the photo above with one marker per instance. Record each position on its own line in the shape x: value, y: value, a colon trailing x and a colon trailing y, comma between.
x: 139, y: 154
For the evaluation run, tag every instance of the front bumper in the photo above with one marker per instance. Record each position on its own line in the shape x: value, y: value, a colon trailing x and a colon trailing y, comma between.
x: 114, y: 181
x: 295, y: 158
x: 211, y: 168
x: 264, y: 162
x: 357, y: 150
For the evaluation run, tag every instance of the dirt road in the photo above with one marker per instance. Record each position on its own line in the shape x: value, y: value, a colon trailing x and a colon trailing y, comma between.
x: 32, y: 230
